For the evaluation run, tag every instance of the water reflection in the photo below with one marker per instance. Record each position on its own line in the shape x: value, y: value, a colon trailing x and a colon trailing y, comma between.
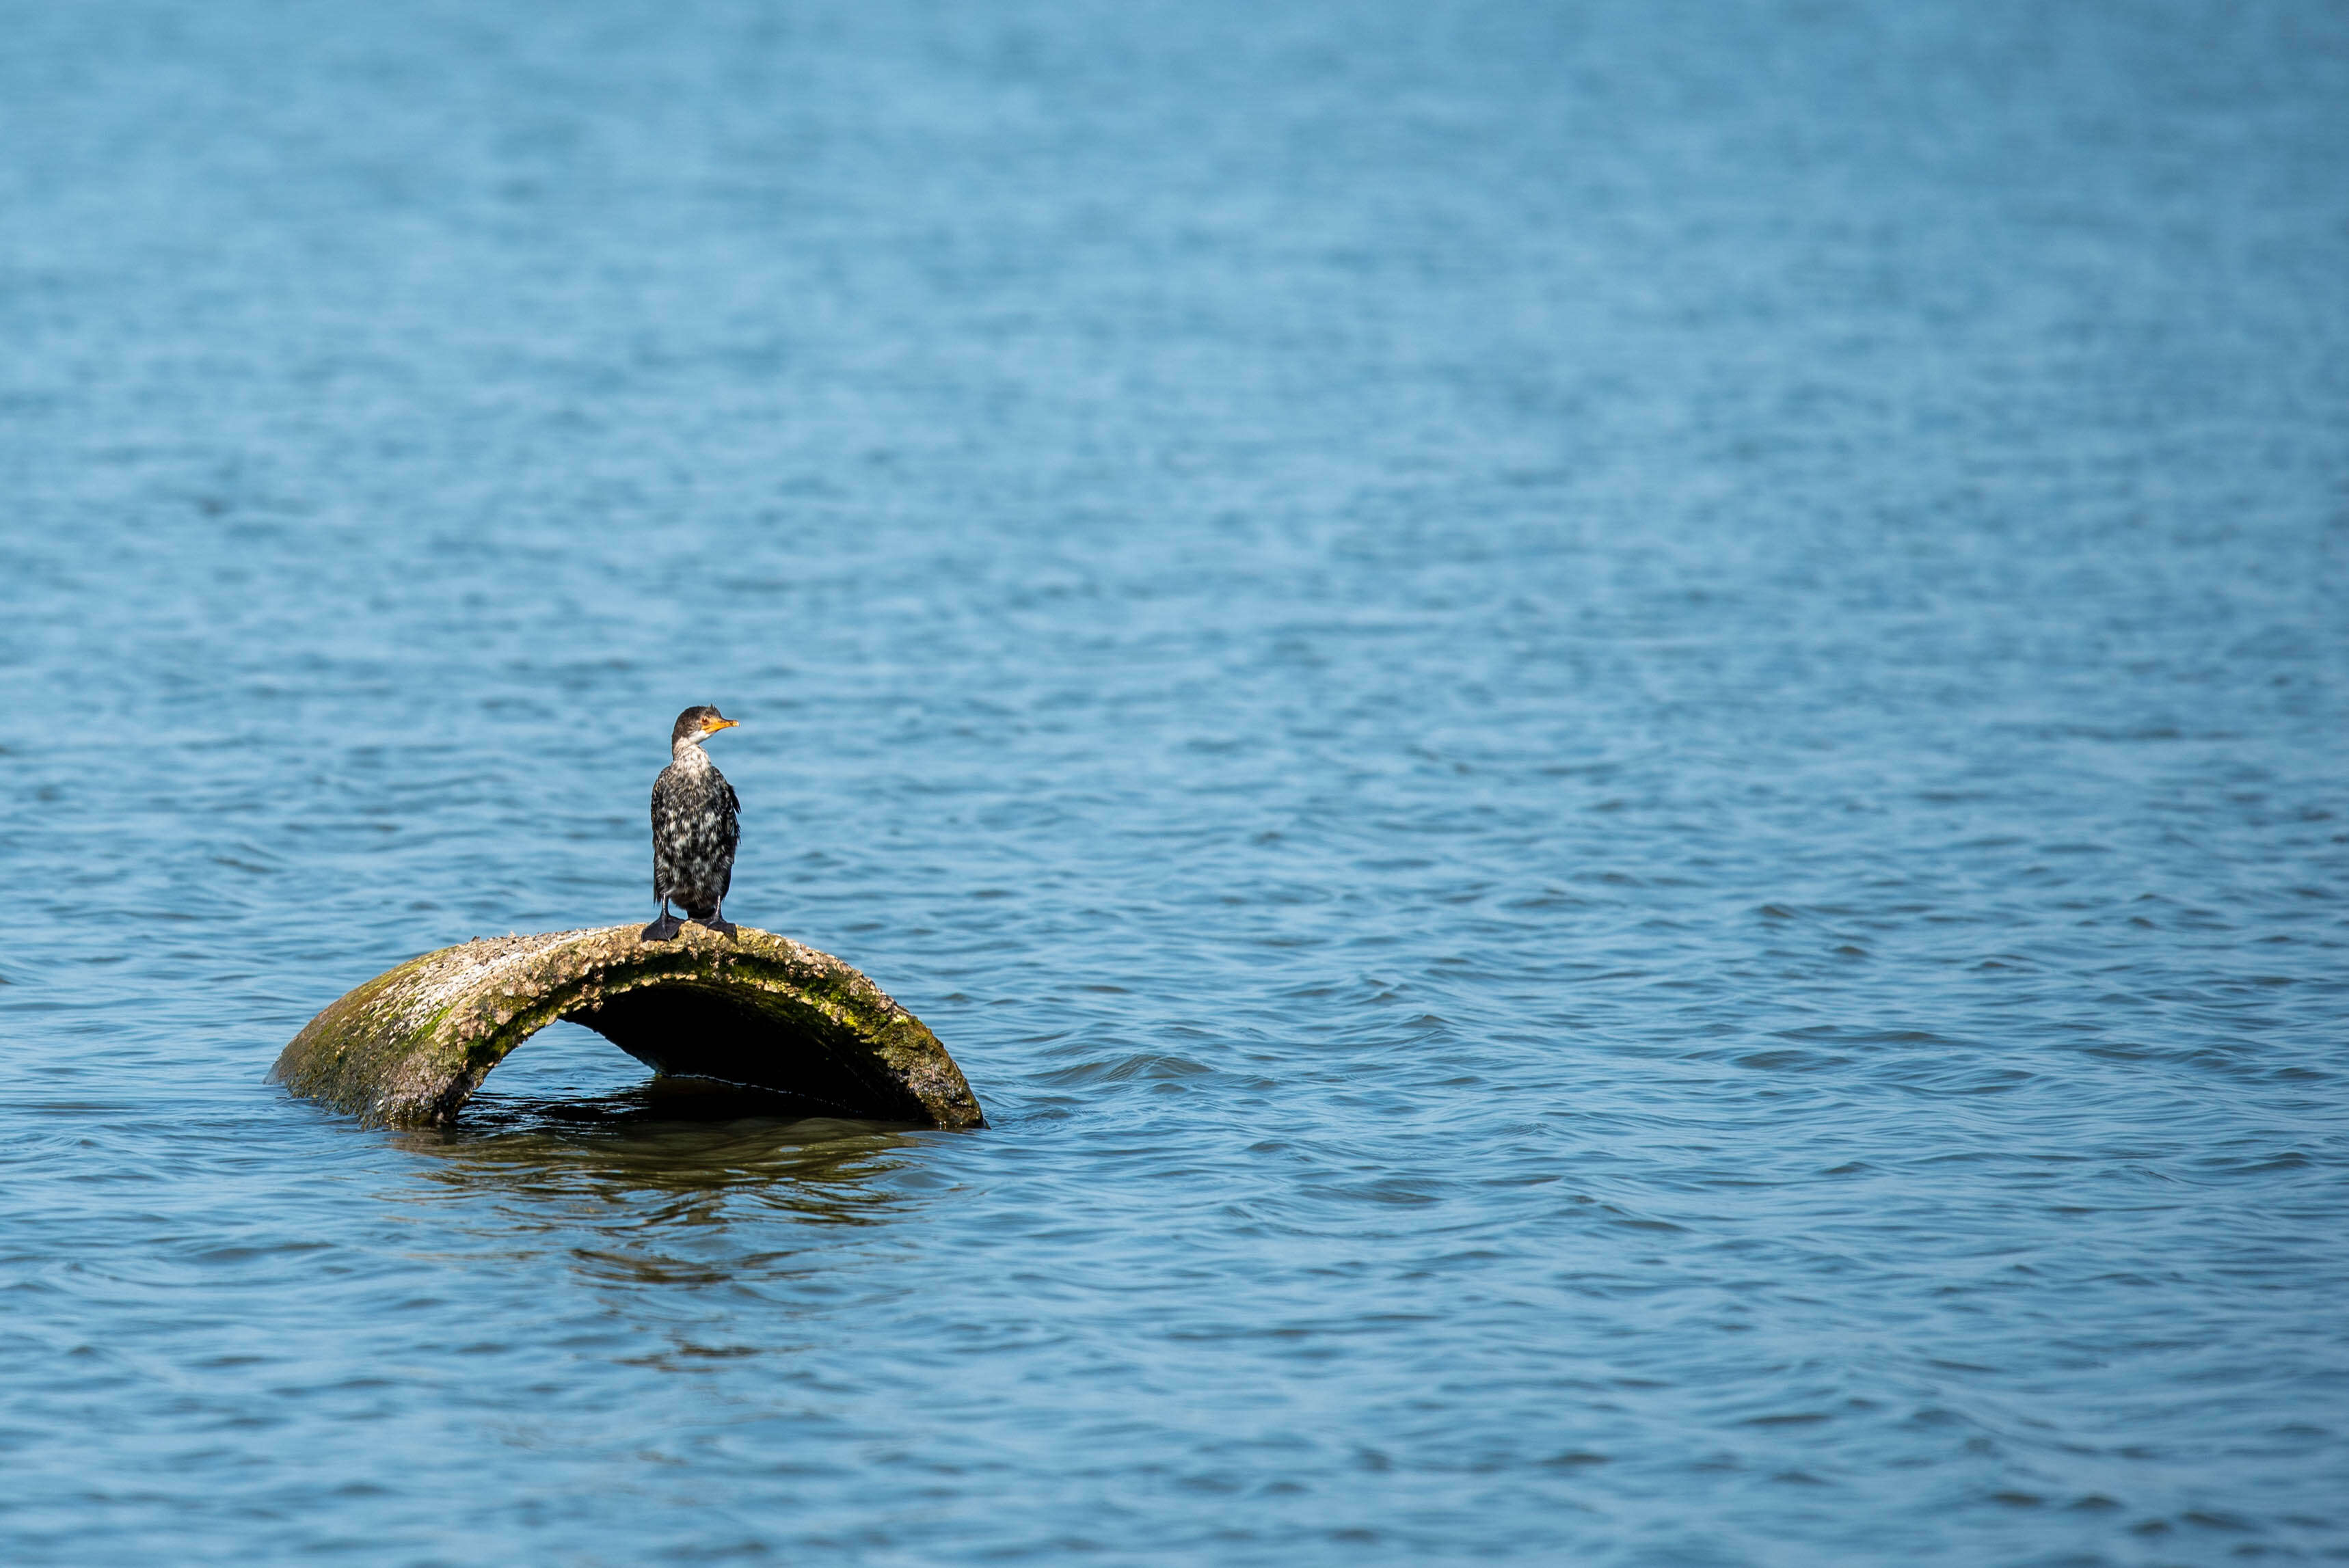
x: 674, y: 1183
x: 704, y: 1224
x: 672, y: 1138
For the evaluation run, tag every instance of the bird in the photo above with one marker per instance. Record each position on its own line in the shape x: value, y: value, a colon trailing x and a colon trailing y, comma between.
x: 695, y: 825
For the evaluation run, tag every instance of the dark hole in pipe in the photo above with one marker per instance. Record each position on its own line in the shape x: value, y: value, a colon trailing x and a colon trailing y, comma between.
x: 767, y: 1043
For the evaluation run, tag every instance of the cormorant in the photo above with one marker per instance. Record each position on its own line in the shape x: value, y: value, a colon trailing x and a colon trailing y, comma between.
x: 695, y: 828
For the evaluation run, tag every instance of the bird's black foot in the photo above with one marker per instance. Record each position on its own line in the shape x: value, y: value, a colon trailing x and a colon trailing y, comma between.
x: 722, y: 925
x: 665, y: 929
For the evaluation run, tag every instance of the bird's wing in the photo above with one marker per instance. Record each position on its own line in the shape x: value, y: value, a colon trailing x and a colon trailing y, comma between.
x: 730, y: 827
x: 664, y: 831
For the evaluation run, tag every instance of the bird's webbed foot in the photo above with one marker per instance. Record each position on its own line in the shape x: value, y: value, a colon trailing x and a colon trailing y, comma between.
x: 720, y: 925
x: 665, y: 929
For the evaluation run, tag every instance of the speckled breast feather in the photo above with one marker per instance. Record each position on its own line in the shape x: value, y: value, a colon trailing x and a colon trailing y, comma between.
x: 695, y: 825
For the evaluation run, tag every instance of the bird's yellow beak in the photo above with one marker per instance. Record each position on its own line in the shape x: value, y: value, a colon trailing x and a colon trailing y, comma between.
x: 723, y: 724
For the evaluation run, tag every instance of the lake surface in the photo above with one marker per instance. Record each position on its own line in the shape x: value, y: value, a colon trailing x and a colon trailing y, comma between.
x: 1614, y: 734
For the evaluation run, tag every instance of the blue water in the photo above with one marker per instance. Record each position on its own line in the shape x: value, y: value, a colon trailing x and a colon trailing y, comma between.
x: 1614, y: 735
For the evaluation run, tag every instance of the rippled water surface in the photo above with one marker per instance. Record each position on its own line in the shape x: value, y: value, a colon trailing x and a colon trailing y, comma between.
x: 1614, y: 735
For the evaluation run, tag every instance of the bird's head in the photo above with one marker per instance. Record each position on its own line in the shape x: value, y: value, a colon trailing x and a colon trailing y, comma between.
x: 695, y: 725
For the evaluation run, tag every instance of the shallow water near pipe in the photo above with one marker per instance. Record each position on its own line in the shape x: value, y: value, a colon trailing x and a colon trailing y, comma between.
x: 1613, y: 733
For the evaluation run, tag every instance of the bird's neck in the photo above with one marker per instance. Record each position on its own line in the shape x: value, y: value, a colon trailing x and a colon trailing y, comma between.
x: 689, y: 754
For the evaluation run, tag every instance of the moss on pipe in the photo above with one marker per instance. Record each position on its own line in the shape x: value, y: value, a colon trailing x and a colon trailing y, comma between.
x: 410, y: 1047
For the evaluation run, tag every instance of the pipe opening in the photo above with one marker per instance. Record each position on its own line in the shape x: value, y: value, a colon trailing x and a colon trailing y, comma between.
x: 764, y: 1041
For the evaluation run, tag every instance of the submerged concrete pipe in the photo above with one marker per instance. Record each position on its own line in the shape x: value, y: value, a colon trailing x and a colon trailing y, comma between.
x: 410, y: 1047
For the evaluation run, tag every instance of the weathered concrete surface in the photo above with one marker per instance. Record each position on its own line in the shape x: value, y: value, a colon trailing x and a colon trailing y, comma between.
x: 409, y: 1046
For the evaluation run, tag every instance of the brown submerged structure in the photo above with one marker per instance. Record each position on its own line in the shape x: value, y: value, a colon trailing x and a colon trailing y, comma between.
x: 410, y: 1047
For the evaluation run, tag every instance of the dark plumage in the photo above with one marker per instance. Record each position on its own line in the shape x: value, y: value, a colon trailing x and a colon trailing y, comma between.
x: 695, y: 828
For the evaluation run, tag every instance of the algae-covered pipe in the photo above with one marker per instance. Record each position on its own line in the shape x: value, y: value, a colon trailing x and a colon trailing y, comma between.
x: 410, y: 1047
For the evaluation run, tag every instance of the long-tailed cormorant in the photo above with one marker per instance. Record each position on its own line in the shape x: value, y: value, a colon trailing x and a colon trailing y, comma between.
x: 695, y: 828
